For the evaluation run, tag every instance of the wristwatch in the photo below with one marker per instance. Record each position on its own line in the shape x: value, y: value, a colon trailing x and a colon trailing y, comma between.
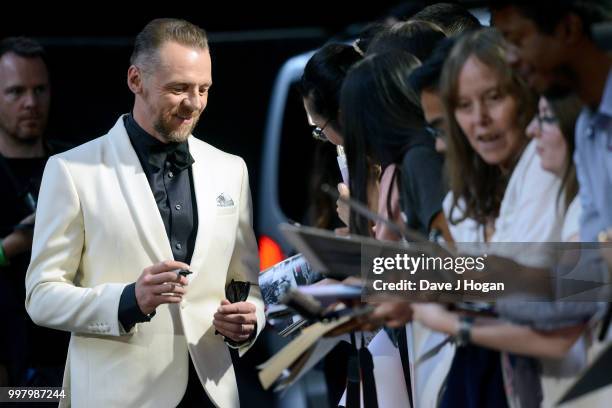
x: 463, y: 336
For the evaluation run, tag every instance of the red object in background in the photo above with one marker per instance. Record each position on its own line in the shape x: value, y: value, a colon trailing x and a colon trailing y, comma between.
x: 270, y: 253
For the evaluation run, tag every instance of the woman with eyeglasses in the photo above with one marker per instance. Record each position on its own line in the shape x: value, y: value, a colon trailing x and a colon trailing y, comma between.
x: 320, y: 88
x: 552, y: 128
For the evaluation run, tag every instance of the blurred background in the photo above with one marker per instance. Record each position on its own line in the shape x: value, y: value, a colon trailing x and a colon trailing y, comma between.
x: 89, y: 47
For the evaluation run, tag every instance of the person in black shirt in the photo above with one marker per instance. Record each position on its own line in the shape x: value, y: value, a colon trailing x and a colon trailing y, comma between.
x: 383, y: 120
x: 30, y: 355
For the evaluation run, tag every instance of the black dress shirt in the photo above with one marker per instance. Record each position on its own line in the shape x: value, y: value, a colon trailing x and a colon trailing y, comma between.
x: 168, y: 170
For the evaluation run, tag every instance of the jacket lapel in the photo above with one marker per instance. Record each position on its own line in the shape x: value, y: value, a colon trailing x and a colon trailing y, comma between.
x: 138, y: 195
x: 203, y: 183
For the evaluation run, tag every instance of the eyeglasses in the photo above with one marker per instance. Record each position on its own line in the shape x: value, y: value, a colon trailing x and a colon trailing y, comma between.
x: 548, y: 119
x: 318, y: 133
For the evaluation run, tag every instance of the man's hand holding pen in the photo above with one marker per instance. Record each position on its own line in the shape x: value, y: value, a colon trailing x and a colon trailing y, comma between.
x: 161, y: 283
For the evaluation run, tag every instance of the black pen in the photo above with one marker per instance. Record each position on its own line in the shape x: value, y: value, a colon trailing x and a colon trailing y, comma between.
x: 183, y: 272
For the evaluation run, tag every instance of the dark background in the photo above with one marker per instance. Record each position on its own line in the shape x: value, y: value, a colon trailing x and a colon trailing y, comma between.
x: 89, y: 45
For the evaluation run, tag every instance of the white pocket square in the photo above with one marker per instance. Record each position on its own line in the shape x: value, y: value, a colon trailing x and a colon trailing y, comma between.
x: 224, y: 200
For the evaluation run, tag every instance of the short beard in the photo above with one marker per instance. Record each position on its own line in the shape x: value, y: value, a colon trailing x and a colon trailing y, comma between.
x: 31, y: 140
x: 174, y: 136
x: 19, y: 138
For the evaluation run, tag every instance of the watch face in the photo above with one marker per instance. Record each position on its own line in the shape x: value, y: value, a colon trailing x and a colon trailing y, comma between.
x: 465, y: 328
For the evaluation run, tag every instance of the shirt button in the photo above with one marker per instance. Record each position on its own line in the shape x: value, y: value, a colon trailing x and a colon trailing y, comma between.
x: 170, y: 174
x: 178, y: 245
x: 178, y: 207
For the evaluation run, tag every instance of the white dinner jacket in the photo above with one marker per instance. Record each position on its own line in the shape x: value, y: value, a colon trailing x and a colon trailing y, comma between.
x: 97, y: 227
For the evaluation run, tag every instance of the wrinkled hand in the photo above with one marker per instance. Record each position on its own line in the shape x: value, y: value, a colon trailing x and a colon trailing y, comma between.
x: 236, y: 321
x: 159, y: 284
x: 342, y: 208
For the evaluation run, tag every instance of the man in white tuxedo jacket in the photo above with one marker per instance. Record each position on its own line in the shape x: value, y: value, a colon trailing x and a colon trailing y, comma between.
x: 120, y: 215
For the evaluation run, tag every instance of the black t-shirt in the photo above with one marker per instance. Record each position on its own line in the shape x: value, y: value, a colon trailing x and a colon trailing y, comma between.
x: 18, y: 193
x: 21, y: 177
x: 27, y: 174
x: 421, y: 185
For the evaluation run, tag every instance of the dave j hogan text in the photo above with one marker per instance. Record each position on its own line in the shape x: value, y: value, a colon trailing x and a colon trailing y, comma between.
x: 461, y: 285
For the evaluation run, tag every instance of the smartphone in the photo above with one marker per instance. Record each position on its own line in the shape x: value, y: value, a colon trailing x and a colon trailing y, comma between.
x: 342, y: 164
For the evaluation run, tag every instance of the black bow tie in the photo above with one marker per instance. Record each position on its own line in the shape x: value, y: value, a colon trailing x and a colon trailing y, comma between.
x: 156, y: 152
x: 177, y: 154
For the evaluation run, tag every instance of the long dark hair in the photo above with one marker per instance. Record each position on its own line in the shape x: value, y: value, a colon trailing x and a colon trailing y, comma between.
x: 381, y: 116
x: 566, y: 110
x: 480, y: 185
x: 323, y: 76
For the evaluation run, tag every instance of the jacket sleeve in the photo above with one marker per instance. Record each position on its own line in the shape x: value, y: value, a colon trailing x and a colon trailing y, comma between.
x: 244, y: 264
x: 53, y: 297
